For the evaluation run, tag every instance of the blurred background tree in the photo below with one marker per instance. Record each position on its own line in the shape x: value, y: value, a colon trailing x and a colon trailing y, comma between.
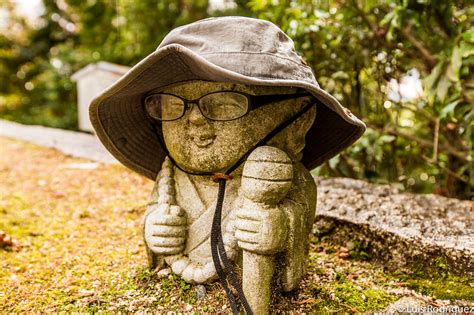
x: 404, y: 67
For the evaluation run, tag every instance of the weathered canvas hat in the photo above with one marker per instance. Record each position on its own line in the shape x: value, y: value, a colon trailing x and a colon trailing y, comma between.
x: 225, y: 49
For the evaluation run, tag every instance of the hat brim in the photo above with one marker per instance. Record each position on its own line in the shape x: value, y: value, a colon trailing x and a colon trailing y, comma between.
x: 121, y: 124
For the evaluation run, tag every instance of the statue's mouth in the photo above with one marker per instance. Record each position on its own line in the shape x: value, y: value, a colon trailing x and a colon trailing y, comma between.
x: 203, y: 140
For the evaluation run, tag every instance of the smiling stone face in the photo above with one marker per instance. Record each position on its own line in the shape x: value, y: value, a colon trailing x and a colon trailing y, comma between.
x: 199, y: 144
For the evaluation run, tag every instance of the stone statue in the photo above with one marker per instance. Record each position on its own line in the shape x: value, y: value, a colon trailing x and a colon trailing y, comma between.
x: 269, y: 204
x: 227, y: 119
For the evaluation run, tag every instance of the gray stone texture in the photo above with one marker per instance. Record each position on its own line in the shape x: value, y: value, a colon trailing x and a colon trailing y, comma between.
x: 76, y: 144
x: 398, y: 230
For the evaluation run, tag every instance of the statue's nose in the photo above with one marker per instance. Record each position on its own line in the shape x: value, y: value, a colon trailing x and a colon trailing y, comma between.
x: 195, y: 116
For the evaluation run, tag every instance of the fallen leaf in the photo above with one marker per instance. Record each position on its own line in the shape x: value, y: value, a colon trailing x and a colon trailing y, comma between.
x: 8, y: 242
x: 58, y: 194
x: 310, y: 300
x: 85, y: 293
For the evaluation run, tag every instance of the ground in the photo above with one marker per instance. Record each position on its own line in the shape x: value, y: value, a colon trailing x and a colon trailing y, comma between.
x: 78, y: 226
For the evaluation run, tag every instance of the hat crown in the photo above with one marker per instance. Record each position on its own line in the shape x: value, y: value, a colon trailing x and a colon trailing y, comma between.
x: 244, y: 45
x: 232, y: 34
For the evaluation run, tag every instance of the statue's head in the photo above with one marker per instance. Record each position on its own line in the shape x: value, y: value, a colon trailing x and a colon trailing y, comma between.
x: 251, y: 53
x: 207, y: 139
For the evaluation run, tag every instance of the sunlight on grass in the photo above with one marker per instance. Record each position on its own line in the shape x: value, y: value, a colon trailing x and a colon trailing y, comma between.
x: 82, y: 250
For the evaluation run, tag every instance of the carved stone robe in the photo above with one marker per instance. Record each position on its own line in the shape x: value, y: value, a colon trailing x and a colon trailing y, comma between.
x: 299, y: 210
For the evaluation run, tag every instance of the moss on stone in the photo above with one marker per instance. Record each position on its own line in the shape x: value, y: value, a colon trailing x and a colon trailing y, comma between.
x: 362, y: 299
x: 438, y: 285
x: 437, y: 281
x: 446, y: 289
x: 360, y: 250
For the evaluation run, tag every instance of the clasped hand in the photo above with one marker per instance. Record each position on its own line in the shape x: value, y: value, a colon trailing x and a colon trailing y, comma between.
x: 261, y: 231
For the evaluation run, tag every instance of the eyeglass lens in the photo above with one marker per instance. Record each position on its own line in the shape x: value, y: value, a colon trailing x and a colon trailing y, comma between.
x: 215, y: 106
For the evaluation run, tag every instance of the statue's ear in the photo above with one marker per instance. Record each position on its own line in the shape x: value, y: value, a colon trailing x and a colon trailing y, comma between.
x: 303, y: 124
x: 296, y: 134
x: 292, y: 138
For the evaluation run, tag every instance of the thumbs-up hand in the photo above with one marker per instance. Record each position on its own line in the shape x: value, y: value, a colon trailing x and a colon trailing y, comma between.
x: 165, y: 230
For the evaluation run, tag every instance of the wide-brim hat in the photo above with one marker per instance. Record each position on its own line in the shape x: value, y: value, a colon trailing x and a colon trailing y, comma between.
x: 225, y: 49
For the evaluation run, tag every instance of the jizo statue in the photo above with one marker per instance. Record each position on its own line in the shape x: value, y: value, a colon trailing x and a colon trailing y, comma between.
x: 228, y: 120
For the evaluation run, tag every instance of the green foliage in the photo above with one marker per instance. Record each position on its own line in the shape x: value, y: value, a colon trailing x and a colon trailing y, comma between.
x: 36, y: 63
x: 355, y: 47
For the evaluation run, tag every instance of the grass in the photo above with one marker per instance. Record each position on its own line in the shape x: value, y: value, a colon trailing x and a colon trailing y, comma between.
x: 81, y: 249
x: 344, y: 284
x: 78, y: 228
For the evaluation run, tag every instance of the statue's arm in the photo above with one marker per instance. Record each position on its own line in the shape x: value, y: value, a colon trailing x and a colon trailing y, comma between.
x: 299, y: 207
x: 154, y: 260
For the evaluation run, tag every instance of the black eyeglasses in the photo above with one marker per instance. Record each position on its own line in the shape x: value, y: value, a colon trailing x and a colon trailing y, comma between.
x: 220, y: 106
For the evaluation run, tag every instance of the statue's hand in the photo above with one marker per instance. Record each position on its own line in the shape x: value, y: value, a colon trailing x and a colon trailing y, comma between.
x: 261, y: 231
x: 165, y: 230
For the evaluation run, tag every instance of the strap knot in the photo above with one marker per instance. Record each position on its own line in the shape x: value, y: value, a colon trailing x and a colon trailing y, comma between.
x: 215, y: 178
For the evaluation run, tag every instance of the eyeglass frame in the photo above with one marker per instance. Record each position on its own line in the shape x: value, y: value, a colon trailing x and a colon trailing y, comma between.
x: 262, y: 100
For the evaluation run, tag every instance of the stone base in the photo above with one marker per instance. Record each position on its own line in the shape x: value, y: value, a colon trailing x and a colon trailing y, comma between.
x: 399, y: 230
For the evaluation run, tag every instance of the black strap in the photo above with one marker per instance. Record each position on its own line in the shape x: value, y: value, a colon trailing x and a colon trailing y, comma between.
x: 218, y: 254
x: 216, y: 231
x: 217, y: 246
